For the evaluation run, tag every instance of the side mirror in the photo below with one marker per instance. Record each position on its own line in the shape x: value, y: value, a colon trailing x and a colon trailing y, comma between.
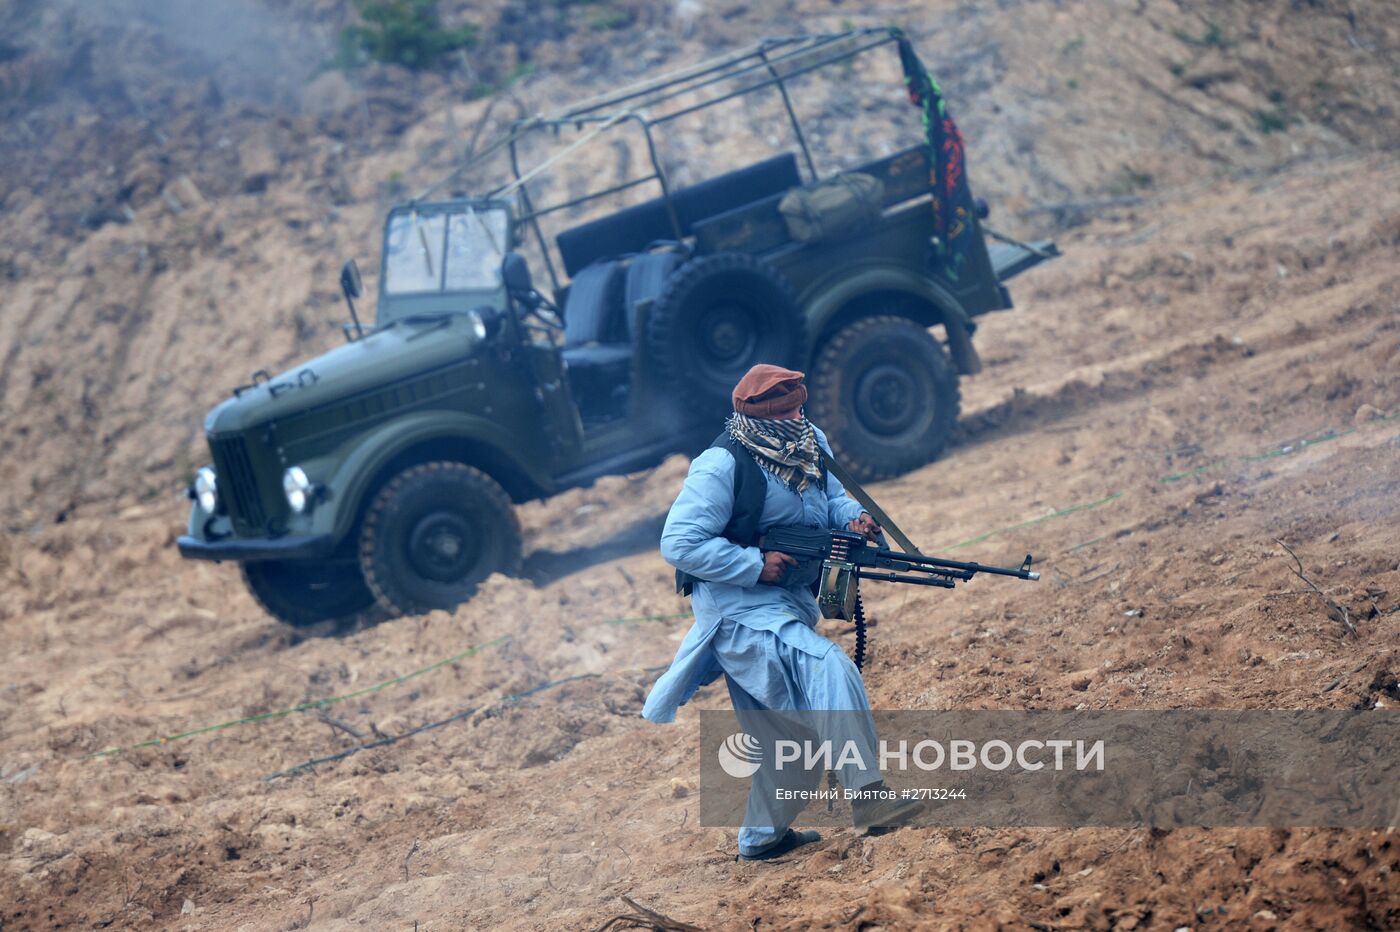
x: 515, y: 273
x: 350, y: 281
x: 353, y: 287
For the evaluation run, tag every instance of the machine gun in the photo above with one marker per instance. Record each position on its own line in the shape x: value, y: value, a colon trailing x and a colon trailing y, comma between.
x: 834, y: 563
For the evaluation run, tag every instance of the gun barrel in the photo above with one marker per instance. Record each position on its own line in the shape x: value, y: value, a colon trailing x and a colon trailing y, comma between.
x: 813, y: 544
x: 1021, y: 572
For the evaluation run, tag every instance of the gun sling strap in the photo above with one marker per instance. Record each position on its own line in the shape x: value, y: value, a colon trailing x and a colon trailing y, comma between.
x: 853, y: 488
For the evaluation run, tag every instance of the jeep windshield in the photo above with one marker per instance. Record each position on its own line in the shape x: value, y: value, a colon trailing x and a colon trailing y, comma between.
x: 450, y: 248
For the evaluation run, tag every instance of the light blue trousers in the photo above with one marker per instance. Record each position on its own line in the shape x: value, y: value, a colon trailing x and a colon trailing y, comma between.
x: 793, y: 669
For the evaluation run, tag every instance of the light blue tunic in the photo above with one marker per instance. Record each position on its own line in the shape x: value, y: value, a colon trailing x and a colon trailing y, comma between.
x: 730, y: 590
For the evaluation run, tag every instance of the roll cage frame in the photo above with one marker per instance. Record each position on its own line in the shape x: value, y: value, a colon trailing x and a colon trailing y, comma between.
x: 804, y: 52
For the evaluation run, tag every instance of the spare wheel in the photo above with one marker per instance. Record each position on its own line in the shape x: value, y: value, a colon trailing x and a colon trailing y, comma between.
x: 715, y: 318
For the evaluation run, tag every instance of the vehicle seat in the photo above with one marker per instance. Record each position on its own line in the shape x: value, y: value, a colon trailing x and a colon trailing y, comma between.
x: 597, y: 342
x: 632, y: 228
x: 593, y: 311
x: 598, y: 326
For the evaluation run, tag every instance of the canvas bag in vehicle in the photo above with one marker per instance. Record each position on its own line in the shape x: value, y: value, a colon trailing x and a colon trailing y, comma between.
x: 837, y: 207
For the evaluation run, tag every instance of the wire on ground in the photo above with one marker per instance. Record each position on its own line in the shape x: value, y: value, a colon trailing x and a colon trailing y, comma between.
x: 1072, y: 509
x: 332, y: 700
x: 456, y: 717
x: 304, y: 706
x: 642, y: 618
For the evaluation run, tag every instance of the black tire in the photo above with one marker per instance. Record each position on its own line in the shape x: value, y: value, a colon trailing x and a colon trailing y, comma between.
x: 886, y: 394
x: 716, y: 317
x: 303, y: 593
x: 433, y: 533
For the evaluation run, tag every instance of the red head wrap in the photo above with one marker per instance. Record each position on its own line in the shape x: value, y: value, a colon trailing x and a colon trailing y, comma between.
x: 768, y: 391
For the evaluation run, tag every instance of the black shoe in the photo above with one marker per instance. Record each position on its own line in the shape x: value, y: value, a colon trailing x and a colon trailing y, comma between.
x: 875, y: 812
x: 783, y: 845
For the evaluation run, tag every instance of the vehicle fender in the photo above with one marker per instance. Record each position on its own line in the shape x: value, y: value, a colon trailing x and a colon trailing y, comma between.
x: 351, y: 482
x: 830, y: 297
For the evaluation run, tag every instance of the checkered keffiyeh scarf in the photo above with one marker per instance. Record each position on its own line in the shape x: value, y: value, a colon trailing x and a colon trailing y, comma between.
x: 788, y: 449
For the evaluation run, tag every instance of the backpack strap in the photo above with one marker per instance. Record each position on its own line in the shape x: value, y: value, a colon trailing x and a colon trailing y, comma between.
x: 750, y: 491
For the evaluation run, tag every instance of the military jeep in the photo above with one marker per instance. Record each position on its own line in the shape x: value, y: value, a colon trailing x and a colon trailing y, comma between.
x: 380, y: 476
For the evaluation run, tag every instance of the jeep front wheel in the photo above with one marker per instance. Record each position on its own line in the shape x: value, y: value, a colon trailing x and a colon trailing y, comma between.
x: 307, y: 592
x: 886, y: 394
x: 433, y: 534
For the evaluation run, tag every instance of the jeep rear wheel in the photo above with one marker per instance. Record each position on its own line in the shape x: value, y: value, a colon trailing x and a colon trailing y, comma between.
x: 307, y: 592
x: 433, y: 534
x: 886, y: 394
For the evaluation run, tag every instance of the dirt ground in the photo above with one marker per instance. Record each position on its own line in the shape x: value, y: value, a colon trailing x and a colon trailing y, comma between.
x: 1206, y: 372
x: 1240, y: 327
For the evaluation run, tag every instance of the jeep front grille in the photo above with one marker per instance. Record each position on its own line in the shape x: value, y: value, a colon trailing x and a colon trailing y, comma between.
x: 238, y: 483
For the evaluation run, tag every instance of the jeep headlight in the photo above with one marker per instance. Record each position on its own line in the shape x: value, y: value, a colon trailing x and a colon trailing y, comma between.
x: 297, y: 488
x: 206, y: 489
x: 477, y: 323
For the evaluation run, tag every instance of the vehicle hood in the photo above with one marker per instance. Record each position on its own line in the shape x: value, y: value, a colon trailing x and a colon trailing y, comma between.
x: 378, y: 359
